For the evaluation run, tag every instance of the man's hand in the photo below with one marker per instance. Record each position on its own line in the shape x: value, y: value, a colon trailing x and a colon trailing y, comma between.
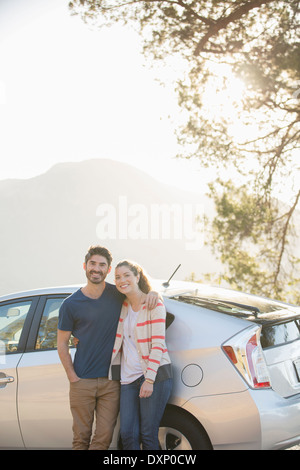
x: 63, y: 352
x: 73, y: 377
x: 152, y: 299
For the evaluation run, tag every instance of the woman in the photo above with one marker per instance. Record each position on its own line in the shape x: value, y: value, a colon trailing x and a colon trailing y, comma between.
x: 141, y: 352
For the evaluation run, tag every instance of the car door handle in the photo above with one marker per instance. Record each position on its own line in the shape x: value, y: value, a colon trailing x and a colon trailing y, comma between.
x: 6, y: 379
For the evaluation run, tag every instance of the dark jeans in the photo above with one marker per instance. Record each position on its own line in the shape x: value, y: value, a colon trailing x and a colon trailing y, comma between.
x: 140, y: 417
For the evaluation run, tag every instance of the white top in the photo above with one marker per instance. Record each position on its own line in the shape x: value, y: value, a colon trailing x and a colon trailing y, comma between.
x: 131, y: 368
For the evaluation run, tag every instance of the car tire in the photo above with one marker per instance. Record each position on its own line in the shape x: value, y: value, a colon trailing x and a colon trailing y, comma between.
x: 180, y: 431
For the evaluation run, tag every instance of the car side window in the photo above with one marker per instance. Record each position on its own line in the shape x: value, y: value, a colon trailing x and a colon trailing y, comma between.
x: 47, y: 334
x: 12, y: 319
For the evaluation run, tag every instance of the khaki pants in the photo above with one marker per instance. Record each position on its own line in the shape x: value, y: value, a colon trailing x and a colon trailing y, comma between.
x: 91, y: 398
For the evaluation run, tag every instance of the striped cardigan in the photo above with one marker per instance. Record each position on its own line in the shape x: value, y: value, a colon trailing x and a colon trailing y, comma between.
x: 149, y: 335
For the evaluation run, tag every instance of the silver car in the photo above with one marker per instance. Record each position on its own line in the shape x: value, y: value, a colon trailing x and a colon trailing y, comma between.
x: 236, y: 362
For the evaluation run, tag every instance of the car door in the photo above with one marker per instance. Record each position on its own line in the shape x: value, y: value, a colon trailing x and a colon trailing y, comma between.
x: 15, y: 321
x: 43, y: 396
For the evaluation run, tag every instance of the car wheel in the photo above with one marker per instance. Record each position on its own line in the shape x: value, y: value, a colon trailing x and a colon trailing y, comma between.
x: 180, y: 432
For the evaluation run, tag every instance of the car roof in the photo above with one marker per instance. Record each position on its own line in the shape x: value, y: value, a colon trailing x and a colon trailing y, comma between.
x: 172, y: 290
x: 69, y: 289
x: 42, y: 291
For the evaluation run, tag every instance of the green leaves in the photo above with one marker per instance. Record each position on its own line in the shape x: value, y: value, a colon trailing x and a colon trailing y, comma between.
x: 252, y: 237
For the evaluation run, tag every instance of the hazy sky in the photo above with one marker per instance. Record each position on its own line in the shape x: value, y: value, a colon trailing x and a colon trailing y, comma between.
x: 69, y: 93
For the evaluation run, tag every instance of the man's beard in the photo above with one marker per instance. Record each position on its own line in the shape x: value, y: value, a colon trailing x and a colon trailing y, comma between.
x: 95, y: 277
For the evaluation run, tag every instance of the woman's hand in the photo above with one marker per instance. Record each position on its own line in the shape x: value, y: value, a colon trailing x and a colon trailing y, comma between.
x: 146, y: 390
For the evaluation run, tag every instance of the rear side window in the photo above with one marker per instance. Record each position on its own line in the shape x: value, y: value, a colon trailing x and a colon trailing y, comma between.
x: 47, y: 334
x: 275, y: 335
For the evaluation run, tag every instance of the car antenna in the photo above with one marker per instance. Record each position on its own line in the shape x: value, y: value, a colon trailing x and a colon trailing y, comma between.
x: 166, y: 284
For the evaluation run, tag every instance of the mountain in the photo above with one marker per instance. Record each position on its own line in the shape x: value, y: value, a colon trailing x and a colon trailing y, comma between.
x: 49, y: 221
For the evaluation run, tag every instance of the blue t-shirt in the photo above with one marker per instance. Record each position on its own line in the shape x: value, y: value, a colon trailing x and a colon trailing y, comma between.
x: 94, y: 322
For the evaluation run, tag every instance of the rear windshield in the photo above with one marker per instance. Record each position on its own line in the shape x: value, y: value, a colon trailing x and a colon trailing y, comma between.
x: 253, y: 308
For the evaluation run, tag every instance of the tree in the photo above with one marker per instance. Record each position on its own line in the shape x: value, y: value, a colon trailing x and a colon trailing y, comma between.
x: 254, y: 244
x: 256, y: 41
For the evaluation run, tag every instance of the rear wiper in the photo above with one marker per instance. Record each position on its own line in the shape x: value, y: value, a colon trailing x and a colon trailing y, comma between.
x: 243, y: 306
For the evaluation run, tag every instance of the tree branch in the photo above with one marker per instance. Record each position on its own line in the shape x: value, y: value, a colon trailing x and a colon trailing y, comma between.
x: 222, y: 23
x: 204, y: 20
x: 284, y: 236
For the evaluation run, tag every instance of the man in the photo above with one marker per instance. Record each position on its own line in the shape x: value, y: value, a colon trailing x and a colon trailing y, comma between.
x: 91, y: 314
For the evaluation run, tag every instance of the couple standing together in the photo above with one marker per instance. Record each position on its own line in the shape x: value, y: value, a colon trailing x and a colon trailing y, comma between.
x: 121, y: 340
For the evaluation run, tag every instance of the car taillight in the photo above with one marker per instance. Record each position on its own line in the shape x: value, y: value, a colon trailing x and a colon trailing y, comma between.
x: 245, y: 352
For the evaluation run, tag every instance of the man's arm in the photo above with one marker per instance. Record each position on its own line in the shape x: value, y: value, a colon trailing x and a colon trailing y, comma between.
x: 63, y: 338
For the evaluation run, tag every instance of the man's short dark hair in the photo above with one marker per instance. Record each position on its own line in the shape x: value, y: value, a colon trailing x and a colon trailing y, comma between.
x: 98, y: 250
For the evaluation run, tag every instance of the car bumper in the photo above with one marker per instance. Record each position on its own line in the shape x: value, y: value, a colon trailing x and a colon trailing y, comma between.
x: 280, y: 419
x: 248, y: 420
